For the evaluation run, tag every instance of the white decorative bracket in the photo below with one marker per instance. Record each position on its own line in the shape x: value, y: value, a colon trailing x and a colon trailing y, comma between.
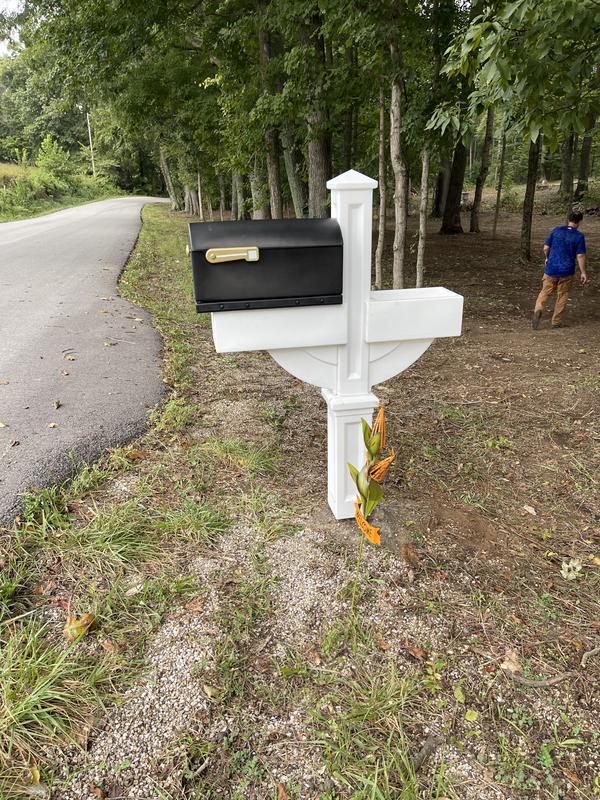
x: 346, y: 349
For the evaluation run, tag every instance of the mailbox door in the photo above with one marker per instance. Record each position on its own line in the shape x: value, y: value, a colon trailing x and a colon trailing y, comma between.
x: 276, y: 264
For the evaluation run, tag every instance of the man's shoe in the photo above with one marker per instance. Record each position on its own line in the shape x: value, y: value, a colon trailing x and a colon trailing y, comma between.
x: 535, y: 320
x: 558, y: 325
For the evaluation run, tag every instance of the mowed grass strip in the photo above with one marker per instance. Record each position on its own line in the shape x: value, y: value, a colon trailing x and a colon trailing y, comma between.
x: 113, y: 542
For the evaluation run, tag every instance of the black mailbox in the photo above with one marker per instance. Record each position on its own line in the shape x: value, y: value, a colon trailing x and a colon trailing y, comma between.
x: 276, y: 263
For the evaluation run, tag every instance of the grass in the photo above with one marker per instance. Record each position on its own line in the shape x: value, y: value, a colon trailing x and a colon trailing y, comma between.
x: 45, y: 691
x: 363, y: 730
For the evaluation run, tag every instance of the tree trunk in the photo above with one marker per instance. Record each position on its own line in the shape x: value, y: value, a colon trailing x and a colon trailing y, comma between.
x: 221, y: 198
x: 259, y: 209
x: 200, y: 204
x: 422, y: 215
x: 319, y: 152
x: 566, y: 178
x: 441, y: 190
x: 382, y: 198
x: 294, y: 181
x: 400, y: 174
x: 274, y: 173
x: 234, y: 196
x: 483, y: 172
x: 209, y: 208
x: 451, y: 222
x: 584, y: 166
x: 348, y: 117
x: 239, y: 188
x: 166, y: 173
x: 500, y: 179
x: 318, y: 163
x: 532, y: 171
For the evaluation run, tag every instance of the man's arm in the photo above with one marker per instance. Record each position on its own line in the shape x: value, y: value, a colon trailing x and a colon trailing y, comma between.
x: 581, y: 264
x: 546, y: 251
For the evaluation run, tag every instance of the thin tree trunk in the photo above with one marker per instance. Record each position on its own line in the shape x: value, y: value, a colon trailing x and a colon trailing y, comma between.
x: 318, y: 163
x: 399, y: 168
x: 234, y: 196
x: 483, y: 171
x: 200, y: 204
x: 239, y: 188
x: 348, y: 117
x: 500, y: 179
x: 566, y: 177
x: 294, y: 181
x: 166, y: 173
x: 584, y: 166
x: 423, y: 215
x: 532, y: 171
x: 274, y: 173
x: 209, y: 208
x: 256, y: 188
x: 382, y: 192
x: 319, y: 151
x: 221, y: 198
x: 451, y: 222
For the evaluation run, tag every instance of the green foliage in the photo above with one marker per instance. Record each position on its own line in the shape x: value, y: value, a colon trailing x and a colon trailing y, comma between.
x: 53, y: 160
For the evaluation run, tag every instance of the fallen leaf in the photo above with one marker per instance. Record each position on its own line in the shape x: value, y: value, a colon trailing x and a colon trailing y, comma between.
x: 4, y: 383
x: 414, y: 650
x: 459, y: 694
x: 582, y: 350
x: 77, y: 628
x: 409, y: 554
x: 3, y: 425
x: 382, y: 643
x: 472, y: 715
x: 35, y: 774
x: 595, y: 560
x: 511, y: 662
x: 57, y: 404
x: 210, y: 691
x: 99, y: 793
x: 110, y: 647
x: 530, y: 510
x: 52, y: 425
x: 515, y: 619
x: 136, y: 455
x: 281, y: 792
x: 570, y: 570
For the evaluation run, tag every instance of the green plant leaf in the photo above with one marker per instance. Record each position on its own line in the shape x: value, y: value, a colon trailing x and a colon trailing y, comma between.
x: 459, y: 694
x: 366, y: 428
x: 374, y: 495
x: 353, y: 472
x: 472, y: 715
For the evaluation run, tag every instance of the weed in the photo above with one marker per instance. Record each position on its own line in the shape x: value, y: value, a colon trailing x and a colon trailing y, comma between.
x: 256, y: 461
x: 268, y: 515
x: 277, y: 413
x: 44, y: 691
x: 173, y: 417
x: 194, y: 521
x: 362, y: 732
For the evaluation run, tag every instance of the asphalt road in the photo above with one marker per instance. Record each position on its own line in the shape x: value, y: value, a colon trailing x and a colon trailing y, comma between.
x: 67, y: 339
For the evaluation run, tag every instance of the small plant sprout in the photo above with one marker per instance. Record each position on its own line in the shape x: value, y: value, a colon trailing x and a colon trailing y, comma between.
x: 368, y: 479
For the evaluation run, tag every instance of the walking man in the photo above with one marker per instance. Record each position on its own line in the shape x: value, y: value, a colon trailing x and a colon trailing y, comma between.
x: 564, y: 248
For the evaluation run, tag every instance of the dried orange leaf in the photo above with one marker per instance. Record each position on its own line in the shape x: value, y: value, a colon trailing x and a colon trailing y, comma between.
x: 281, y: 792
x: 371, y: 533
x: 76, y: 628
x: 380, y: 469
x: 379, y: 427
x: 414, y: 650
x: 409, y: 554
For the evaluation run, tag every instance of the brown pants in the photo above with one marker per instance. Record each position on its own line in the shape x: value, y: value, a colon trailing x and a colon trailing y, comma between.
x: 549, y: 285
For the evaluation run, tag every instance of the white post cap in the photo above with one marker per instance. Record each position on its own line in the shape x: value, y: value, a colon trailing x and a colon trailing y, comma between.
x: 351, y: 180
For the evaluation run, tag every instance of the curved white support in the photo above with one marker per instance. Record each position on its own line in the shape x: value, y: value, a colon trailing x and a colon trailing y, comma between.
x: 316, y: 365
x: 389, y: 359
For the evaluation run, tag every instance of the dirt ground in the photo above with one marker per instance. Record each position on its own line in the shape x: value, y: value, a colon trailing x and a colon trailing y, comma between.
x: 475, y: 651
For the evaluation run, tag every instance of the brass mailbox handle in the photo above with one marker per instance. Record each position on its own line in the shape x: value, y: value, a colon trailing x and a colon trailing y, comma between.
x: 217, y: 255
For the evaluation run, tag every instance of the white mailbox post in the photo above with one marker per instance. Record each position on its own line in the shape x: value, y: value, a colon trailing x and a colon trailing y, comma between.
x: 346, y: 349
